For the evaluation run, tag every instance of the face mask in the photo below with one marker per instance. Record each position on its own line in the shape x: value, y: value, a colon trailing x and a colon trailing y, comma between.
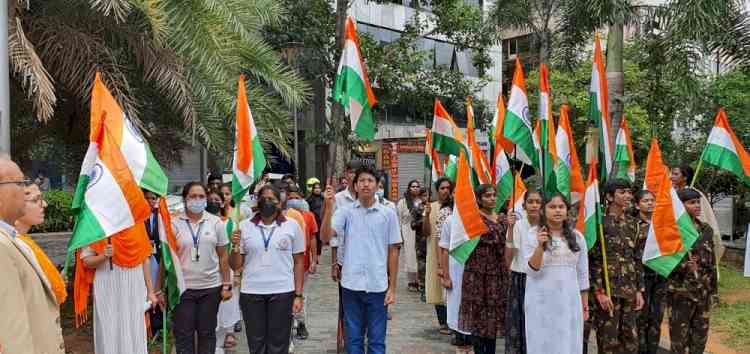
x: 196, y: 206
x: 298, y: 204
x: 380, y: 193
x: 213, y: 208
x: 266, y: 208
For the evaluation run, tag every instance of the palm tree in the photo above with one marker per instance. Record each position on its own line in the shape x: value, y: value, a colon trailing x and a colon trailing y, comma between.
x: 173, y: 62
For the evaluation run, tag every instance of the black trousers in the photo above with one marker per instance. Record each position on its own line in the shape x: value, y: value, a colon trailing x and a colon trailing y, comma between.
x: 268, y: 322
x: 195, y: 315
x: 484, y: 345
x: 442, y: 314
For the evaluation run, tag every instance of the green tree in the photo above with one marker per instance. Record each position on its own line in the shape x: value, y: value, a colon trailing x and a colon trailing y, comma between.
x: 403, y: 73
x: 172, y: 64
x: 686, y: 30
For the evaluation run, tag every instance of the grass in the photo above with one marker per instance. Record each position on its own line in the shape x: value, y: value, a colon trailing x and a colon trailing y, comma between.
x: 732, y: 280
x: 733, y: 319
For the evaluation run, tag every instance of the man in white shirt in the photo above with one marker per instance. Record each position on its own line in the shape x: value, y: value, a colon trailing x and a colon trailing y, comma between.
x: 371, y: 237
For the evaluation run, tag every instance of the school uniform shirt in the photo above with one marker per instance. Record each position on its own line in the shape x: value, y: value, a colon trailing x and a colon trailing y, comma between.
x: 343, y: 200
x: 520, y: 231
x: 269, y: 270
x: 367, y: 234
x: 210, y: 232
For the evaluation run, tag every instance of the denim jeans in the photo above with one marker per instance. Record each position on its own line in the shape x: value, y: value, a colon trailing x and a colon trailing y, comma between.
x: 365, y: 314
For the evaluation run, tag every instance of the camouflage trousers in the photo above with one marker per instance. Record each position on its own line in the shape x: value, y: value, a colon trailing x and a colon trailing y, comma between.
x: 650, y: 318
x: 688, y: 325
x: 616, y: 334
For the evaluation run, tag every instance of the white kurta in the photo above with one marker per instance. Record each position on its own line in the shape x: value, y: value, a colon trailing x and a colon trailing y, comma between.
x: 554, y: 313
x: 119, y: 309
x: 456, y: 271
x: 409, y: 237
x: 229, y: 311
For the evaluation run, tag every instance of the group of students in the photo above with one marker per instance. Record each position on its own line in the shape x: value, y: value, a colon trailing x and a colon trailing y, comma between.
x: 533, y: 281
x: 254, y: 270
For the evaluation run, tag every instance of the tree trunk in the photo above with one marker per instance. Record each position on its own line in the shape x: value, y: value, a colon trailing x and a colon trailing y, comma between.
x: 544, y: 44
x: 615, y: 76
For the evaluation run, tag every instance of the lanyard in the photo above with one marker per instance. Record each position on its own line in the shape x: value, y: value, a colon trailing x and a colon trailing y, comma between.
x: 196, y: 235
x: 266, y: 240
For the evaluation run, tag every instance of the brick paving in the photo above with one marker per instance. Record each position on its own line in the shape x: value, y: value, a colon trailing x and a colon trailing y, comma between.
x: 413, y: 329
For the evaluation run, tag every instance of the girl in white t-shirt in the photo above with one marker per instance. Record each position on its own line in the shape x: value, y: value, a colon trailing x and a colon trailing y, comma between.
x: 271, y: 249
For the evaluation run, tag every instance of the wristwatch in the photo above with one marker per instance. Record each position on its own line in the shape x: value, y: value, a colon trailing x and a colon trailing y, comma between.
x: 226, y: 287
x: 299, y: 296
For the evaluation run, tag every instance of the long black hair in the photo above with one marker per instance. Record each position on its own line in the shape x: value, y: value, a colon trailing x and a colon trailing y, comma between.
x: 409, y: 199
x: 480, y: 190
x: 451, y: 187
x: 567, y: 229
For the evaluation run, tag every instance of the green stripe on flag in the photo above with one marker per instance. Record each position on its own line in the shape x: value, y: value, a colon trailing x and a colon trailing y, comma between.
x: 154, y: 178
x: 86, y: 231
x: 446, y: 144
x: 725, y: 159
x: 562, y: 179
x: 350, y: 85
x: 462, y: 252
x: 665, y: 264
x: 173, y: 289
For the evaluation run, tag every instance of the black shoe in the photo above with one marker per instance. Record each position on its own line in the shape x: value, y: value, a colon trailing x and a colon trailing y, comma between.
x: 302, y: 331
x: 238, y: 327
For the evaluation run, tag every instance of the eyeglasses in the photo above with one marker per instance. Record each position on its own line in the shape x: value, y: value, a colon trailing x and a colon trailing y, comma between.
x: 21, y: 183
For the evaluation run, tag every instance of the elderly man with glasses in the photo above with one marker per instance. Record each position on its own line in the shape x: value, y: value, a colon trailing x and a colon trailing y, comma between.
x: 30, y: 321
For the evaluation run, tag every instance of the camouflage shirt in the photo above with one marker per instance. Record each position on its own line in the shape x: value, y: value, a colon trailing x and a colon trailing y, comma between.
x: 701, y: 285
x: 624, y: 249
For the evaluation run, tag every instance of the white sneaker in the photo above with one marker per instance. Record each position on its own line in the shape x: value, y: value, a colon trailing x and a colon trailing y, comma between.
x: 291, y: 347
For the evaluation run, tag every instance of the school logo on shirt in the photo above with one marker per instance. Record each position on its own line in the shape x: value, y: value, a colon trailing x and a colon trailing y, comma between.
x: 283, y: 244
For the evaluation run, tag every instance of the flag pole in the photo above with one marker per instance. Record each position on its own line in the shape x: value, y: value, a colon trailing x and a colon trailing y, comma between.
x: 697, y: 171
x: 603, y: 247
x: 109, y: 243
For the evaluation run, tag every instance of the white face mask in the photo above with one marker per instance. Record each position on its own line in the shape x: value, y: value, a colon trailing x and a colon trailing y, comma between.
x: 196, y: 206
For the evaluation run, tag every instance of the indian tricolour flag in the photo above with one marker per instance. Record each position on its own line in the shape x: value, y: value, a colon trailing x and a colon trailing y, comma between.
x: 352, y: 87
x: 655, y: 168
x: 503, y: 179
x: 725, y: 151
x: 599, y: 109
x: 545, y: 134
x: 477, y: 160
x: 431, y: 161
x: 589, y: 213
x: 671, y: 233
x: 144, y: 167
x: 467, y: 225
x: 248, y: 162
x: 624, y: 159
x: 517, y: 126
x: 515, y: 203
x: 451, y: 167
x: 568, y: 170
x: 497, y: 140
x: 446, y: 136
x: 107, y: 199
x: 172, y: 269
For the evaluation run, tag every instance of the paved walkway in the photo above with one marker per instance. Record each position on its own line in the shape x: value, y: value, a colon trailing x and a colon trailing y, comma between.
x: 414, y: 328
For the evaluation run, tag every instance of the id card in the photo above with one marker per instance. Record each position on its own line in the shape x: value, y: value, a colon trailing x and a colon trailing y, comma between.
x: 153, y: 248
x: 265, y: 259
x: 194, y: 254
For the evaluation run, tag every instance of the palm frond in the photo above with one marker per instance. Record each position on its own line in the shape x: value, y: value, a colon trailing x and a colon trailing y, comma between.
x: 73, y: 57
x: 154, y: 18
x: 119, y: 9
x: 30, y: 71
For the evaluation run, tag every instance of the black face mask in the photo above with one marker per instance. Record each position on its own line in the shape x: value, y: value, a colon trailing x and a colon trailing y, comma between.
x: 213, y: 208
x: 266, y: 208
